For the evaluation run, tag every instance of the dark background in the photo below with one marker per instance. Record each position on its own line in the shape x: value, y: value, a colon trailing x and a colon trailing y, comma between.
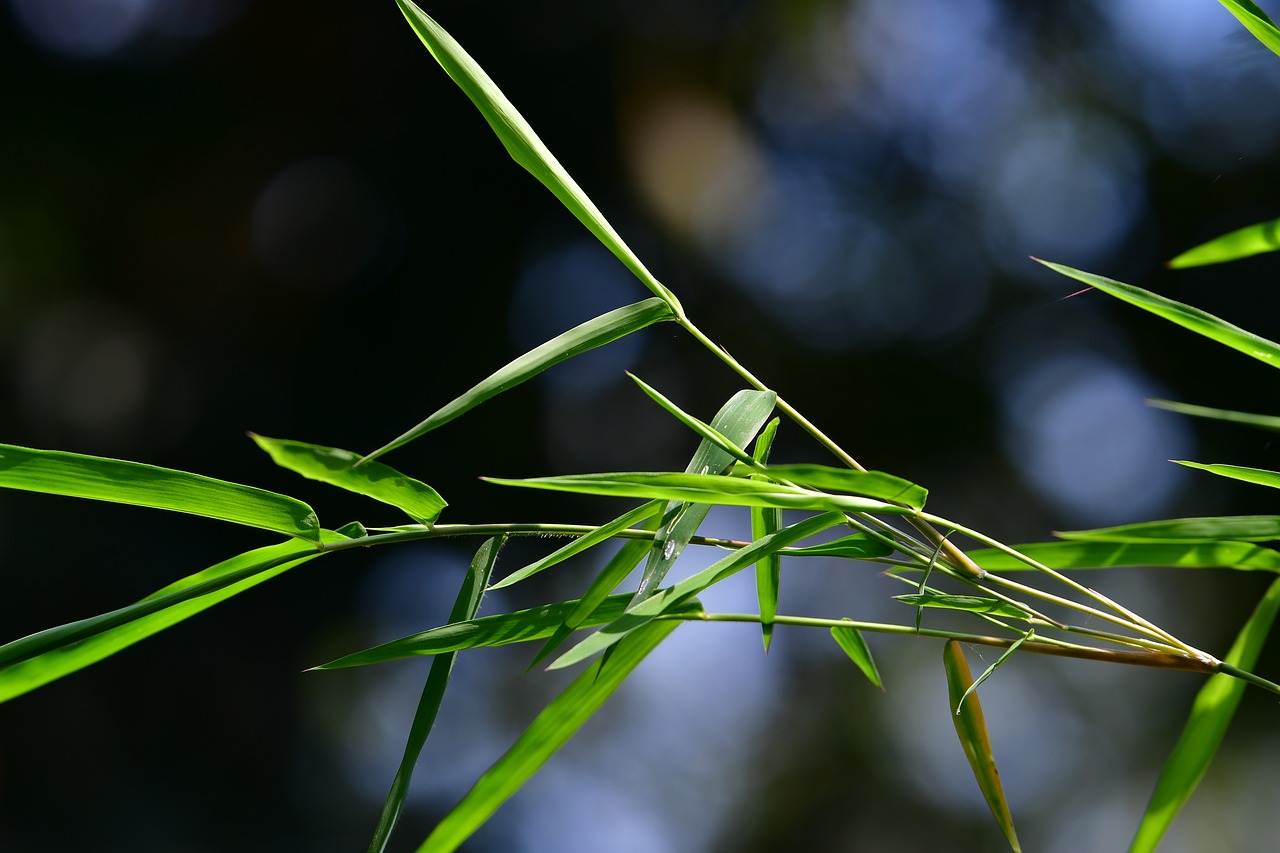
x: 224, y: 215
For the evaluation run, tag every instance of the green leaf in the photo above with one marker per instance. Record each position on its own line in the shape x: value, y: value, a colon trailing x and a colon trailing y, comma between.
x: 522, y: 143
x: 665, y: 600
x: 592, y: 334
x: 1243, y: 528
x: 972, y: 731
x: 850, y: 639
x: 558, y: 722
x: 1211, y: 714
x: 1260, y: 421
x: 737, y: 422
x: 1247, y: 241
x: 465, y: 608
x: 45, y: 662
x: 520, y: 626
x: 1101, y: 555
x: 1257, y: 476
x: 766, y: 521
x: 703, y: 488
x: 971, y: 603
x: 582, y: 543
x: 1255, y: 21
x: 56, y: 472
x: 856, y: 546
x: 372, y: 479
x: 871, y: 484
x: 1198, y: 321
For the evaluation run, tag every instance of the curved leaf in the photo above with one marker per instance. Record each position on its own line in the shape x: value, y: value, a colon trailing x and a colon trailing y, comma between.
x: 1257, y: 476
x: 1255, y: 21
x: 1242, y: 243
x: 850, y: 639
x: 871, y: 484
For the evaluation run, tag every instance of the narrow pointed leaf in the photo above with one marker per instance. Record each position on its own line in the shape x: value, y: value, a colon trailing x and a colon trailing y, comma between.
x: 707, y: 489
x: 373, y: 479
x: 520, y: 626
x: 522, y: 143
x: 737, y: 422
x: 855, y: 546
x: 582, y: 543
x: 972, y: 731
x: 707, y: 432
x: 1211, y: 715
x: 850, y: 639
x: 971, y: 603
x: 1200, y: 322
x: 987, y: 673
x: 592, y: 334
x: 1270, y: 422
x: 1243, y: 243
x: 558, y: 722
x: 1242, y: 528
x: 871, y: 484
x: 766, y: 521
x: 56, y: 472
x: 1256, y: 22
x: 1101, y: 555
x: 465, y: 607
x: 60, y: 659
x: 1257, y: 476
x: 665, y: 600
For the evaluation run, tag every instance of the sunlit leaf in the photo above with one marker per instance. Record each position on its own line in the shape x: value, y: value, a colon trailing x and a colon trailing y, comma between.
x: 1101, y: 555
x: 766, y: 521
x: 465, y: 607
x: 970, y: 603
x: 1200, y: 322
x: 850, y: 639
x: 1243, y: 528
x: 558, y: 722
x: 1270, y: 422
x: 697, y: 488
x: 871, y: 484
x: 1211, y: 714
x: 1257, y: 476
x: 708, y: 433
x: 972, y: 730
x: 56, y: 472
x: 664, y: 600
x: 520, y: 626
x: 1255, y: 21
x: 855, y: 546
x: 1247, y: 241
x: 372, y: 479
x: 594, y: 333
x: 522, y: 143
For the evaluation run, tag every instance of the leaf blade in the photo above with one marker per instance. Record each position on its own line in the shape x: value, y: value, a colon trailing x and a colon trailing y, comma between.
x: 1242, y: 243
x: 853, y: 644
x: 1100, y: 555
x: 1240, y: 528
x: 1257, y: 476
x: 968, y: 603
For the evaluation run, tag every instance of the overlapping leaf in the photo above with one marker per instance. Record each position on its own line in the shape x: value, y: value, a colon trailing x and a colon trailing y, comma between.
x: 969, y: 603
x: 766, y: 521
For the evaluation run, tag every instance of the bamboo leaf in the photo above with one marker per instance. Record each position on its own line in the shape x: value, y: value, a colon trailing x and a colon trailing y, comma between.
x: 850, y: 639
x: 592, y: 334
x: 1257, y: 476
x: 1101, y: 555
x: 465, y: 608
x: 1200, y: 322
x: 706, y: 489
x: 972, y: 731
x: 1242, y: 528
x: 766, y: 521
x: 970, y: 603
x: 56, y: 472
x: 1260, y: 421
x: 582, y: 543
x: 708, y: 433
x: 520, y: 626
x: 1211, y: 715
x: 558, y: 722
x: 665, y: 600
x: 522, y: 143
x: 373, y: 479
x: 871, y: 484
x: 1256, y: 22
x: 1243, y: 243
x: 855, y: 546
x: 737, y: 422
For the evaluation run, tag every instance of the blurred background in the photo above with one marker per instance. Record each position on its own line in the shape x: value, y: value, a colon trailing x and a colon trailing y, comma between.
x: 225, y: 215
